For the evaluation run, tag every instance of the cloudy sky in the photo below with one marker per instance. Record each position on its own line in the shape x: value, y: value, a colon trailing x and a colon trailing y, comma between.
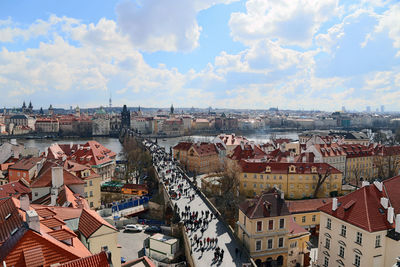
x: 295, y: 54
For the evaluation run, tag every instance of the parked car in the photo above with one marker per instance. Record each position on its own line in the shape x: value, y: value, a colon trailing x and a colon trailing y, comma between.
x: 153, y: 229
x: 133, y: 228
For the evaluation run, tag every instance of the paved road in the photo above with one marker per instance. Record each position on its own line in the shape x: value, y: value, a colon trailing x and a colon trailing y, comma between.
x: 215, y: 229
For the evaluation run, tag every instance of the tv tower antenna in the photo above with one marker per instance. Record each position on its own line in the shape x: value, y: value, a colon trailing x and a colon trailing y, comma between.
x: 110, y: 101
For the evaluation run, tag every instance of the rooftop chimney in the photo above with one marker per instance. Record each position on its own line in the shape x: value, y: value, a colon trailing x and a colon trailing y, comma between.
x: 24, y: 202
x: 282, y: 195
x: 53, y: 196
x: 378, y: 185
x: 364, y: 183
x: 32, y: 219
x: 384, y: 202
x: 57, y: 179
x: 397, y: 229
x: 390, y: 215
x: 334, y: 204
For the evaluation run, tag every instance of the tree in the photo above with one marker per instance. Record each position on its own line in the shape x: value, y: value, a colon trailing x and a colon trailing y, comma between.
x: 322, y: 176
x: 229, y: 186
x: 380, y: 137
x: 356, y: 173
x: 387, y: 165
x: 137, y: 159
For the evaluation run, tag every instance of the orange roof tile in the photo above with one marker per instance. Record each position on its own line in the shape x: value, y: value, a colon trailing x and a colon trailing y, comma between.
x: 97, y: 260
x: 34, y: 257
x: 90, y: 222
x: 52, y: 222
x: 62, y: 234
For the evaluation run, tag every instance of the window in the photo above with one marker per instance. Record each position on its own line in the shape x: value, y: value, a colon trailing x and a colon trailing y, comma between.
x: 281, y: 223
x: 269, y: 243
x: 280, y: 177
x: 357, y: 260
x: 255, y: 176
x: 271, y: 225
x: 341, y: 252
x: 261, y: 176
x: 291, y: 186
x: 359, y: 238
x: 91, y: 193
x: 329, y: 223
x: 327, y: 243
x: 91, y: 204
x: 259, y: 226
x: 326, y: 262
x: 343, y: 232
x: 18, y: 174
x: 85, y: 185
x: 293, y: 244
x: 378, y: 241
x: 36, y: 194
x: 24, y: 174
x: 314, y: 218
x: 303, y: 219
x: 245, y: 175
x: 258, y: 245
x: 280, y: 242
x: 261, y: 185
x: 90, y: 182
x: 255, y: 185
x: 244, y: 185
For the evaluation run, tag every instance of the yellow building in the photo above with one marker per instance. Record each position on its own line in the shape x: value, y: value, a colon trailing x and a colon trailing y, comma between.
x: 305, y: 212
x: 269, y: 233
x: 92, y: 186
x: 296, y: 180
x: 199, y: 157
x: 359, y: 163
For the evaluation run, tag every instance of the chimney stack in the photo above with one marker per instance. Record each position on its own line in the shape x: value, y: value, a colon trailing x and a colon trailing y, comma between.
x: 57, y: 179
x: 334, y: 204
x: 384, y: 202
x: 364, y: 183
x: 397, y: 229
x: 53, y: 196
x: 32, y: 219
x: 378, y: 185
x: 390, y: 215
x: 24, y: 202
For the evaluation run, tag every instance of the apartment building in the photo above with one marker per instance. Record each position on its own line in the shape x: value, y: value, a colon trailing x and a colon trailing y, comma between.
x: 363, y: 227
x: 330, y: 153
x: 269, y: 233
x: 359, y: 163
x: 296, y: 180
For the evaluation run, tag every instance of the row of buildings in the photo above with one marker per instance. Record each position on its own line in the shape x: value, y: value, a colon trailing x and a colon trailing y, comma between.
x: 361, y: 228
x: 163, y: 123
x: 315, y: 166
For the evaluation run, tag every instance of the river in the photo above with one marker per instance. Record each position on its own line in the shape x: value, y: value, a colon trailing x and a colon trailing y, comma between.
x: 115, y: 145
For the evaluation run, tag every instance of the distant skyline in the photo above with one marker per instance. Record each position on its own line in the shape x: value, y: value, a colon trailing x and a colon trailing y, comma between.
x: 254, y: 54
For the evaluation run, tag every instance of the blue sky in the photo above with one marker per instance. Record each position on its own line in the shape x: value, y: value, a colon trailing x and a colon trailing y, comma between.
x: 294, y: 54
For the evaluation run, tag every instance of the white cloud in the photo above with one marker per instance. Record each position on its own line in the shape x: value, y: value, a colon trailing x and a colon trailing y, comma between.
x: 154, y: 25
x: 291, y: 22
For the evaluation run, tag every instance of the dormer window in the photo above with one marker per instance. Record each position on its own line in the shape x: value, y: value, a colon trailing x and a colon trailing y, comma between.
x: 268, y: 169
x: 313, y: 169
x: 292, y: 169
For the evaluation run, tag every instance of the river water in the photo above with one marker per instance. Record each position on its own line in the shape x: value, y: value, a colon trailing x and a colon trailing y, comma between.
x: 115, y: 145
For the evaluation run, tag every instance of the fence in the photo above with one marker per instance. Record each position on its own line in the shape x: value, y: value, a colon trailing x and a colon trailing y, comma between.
x: 129, y: 204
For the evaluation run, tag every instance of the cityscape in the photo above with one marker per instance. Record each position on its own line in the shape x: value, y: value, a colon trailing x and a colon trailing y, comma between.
x: 199, y: 133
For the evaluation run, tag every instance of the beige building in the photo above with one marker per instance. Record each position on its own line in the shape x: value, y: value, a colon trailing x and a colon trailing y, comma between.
x: 269, y: 233
x: 360, y: 229
x: 332, y: 154
x: 296, y: 180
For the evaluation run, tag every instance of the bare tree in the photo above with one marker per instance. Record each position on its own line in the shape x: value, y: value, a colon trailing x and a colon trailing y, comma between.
x: 322, y: 176
x: 356, y: 173
x: 137, y: 159
x: 229, y: 186
x: 387, y: 166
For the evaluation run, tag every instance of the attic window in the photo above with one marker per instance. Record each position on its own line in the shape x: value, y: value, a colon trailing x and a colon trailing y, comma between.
x: 292, y: 168
x: 268, y: 169
x: 313, y: 169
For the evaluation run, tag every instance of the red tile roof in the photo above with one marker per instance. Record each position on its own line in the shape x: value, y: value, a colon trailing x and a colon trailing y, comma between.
x: 51, y: 222
x: 306, y: 205
x: 44, y: 177
x: 34, y: 257
x: 205, y: 149
x: 90, y: 222
x: 254, y: 166
x: 45, y: 212
x: 247, y: 151
x: 232, y: 139
x: 355, y: 151
x: 93, y: 153
x: 14, y: 189
x: 330, y: 150
x: 183, y: 146
x: 269, y: 204
x: 97, y: 260
x: 362, y: 207
x: 62, y: 234
x: 26, y: 163
x: 295, y: 229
